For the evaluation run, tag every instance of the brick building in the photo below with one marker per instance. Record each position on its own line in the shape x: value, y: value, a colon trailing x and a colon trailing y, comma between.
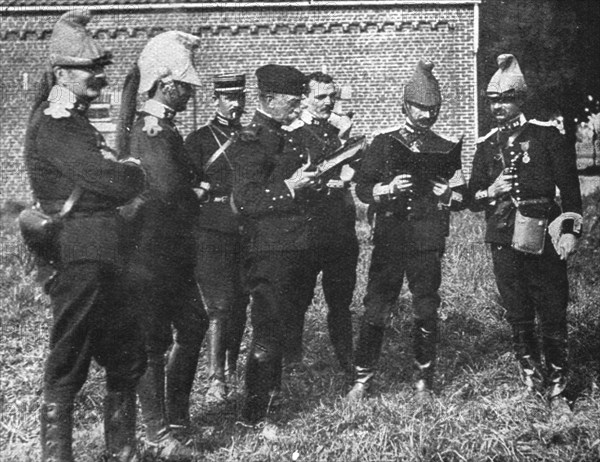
x: 369, y: 46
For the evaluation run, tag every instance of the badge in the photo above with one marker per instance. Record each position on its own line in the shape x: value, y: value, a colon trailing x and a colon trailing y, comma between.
x: 525, y: 148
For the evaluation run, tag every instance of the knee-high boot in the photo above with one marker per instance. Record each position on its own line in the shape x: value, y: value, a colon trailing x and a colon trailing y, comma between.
x: 216, y: 351
x: 119, y: 426
x: 236, y: 325
x: 151, y: 392
x: 261, y: 375
x: 181, y: 371
x: 425, y: 340
x: 527, y: 353
x: 556, y: 355
x: 57, y: 432
x: 366, y: 356
x: 339, y: 325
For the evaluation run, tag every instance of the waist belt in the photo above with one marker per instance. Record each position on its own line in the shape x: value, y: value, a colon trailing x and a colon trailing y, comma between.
x: 541, y: 200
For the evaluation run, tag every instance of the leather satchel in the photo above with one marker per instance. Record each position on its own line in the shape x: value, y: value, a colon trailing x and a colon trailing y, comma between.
x: 39, y: 229
x: 529, y: 233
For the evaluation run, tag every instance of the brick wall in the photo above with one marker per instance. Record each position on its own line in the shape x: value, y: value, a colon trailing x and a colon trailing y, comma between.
x: 372, y: 49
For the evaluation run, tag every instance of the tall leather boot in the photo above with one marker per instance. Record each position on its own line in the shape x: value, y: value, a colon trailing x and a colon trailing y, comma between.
x: 261, y: 374
x: 57, y: 432
x: 367, y: 354
x: 236, y: 325
x: 556, y: 355
x: 151, y: 391
x: 216, y: 344
x: 527, y: 352
x: 339, y: 325
x: 119, y: 426
x: 181, y: 371
x: 425, y: 340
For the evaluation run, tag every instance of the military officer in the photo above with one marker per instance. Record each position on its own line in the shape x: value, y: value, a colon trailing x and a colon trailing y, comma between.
x: 71, y: 169
x: 219, y: 268
x: 410, y: 197
x: 271, y: 172
x: 161, y: 268
x: 516, y: 170
x: 333, y: 244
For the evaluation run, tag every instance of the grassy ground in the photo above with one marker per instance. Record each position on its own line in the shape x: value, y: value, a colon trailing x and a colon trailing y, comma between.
x: 480, y: 413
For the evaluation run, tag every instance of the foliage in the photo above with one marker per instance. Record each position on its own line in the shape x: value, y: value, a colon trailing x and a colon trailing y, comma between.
x: 480, y: 413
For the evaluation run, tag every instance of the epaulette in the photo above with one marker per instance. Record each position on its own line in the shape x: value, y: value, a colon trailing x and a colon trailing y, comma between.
x: 57, y: 110
x: 541, y: 123
x: 481, y: 139
x: 250, y: 133
x: 386, y: 130
x: 296, y: 124
x: 151, y: 125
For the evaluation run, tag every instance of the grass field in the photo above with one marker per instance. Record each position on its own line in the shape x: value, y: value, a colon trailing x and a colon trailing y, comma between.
x: 481, y: 412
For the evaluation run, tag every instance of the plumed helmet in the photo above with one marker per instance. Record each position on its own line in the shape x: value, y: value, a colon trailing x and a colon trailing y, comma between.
x: 72, y: 45
x: 423, y: 88
x: 508, y: 78
x: 168, y: 57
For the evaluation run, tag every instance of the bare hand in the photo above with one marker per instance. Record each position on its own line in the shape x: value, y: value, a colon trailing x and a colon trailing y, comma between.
x: 566, y: 245
x: 401, y: 183
x: 301, y: 178
x: 440, y: 187
x: 501, y: 185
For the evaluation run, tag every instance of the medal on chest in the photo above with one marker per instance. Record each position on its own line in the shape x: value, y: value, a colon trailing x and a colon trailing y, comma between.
x: 525, y: 148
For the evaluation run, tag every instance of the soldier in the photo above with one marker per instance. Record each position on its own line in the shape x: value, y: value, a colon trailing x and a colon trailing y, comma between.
x: 270, y: 174
x: 516, y: 169
x: 219, y: 268
x: 332, y: 215
x: 73, y: 173
x: 161, y: 269
x: 411, y: 204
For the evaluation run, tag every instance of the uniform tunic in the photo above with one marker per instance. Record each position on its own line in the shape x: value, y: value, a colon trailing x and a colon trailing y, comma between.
x: 528, y: 284
x: 265, y: 156
x: 161, y: 269
x: 410, y: 227
x: 221, y: 249
x: 333, y: 245
x: 91, y: 320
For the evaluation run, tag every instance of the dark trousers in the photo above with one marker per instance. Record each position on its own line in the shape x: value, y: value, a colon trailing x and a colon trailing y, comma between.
x: 389, y: 264
x: 272, y: 281
x: 220, y: 274
x: 338, y: 265
x: 166, y: 296
x: 533, y: 285
x: 91, y: 320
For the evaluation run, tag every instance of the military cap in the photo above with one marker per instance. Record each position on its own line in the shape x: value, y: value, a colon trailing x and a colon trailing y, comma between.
x: 167, y: 57
x: 286, y: 80
x: 508, y: 79
x: 229, y: 83
x: 72, y: 45
x: 423, y: 88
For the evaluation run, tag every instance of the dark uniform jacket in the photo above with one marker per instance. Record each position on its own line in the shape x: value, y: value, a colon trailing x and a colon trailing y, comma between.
x: 169, y: 205
x: 416, y: 218
x: 331, y: 209
x: 264, y: 156
x: 63, y: 150
x: 541, y: 162
x: 200, y: 147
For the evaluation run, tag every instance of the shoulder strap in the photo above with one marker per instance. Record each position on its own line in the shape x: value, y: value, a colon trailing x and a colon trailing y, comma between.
x: 217, y: 154
x: 70, y: 202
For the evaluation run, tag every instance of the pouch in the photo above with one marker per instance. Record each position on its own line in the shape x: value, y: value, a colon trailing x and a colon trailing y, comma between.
x: 39, y: 230
x: 529, y: 234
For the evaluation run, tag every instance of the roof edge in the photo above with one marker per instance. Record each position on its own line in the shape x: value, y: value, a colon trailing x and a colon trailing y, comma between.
x: 145, y: 6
